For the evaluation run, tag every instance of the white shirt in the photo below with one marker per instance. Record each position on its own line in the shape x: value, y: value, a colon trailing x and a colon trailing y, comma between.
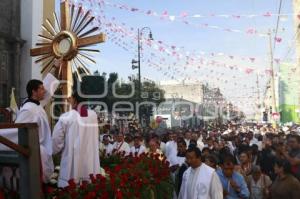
x: 176, y: 160
x: 107, y: 148
x: 200, y: 144
x: 256, y: 188
x: 101, y: 147
x: 187, y: 142
x: 171, y: 149
x: 163, y: 147
x: 138, y: 151
x: 253, y: 141
x: 121, y: 147
x: 260, y: 145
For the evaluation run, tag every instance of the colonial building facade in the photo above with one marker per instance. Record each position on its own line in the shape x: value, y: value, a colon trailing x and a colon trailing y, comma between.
x: 10, y: 49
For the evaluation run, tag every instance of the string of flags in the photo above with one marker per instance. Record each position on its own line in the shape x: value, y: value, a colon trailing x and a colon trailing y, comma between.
x: 202, y: 53
x: 247, y: 70
x: 162, y: 47
x: 169, y: 73
x: 184, y: 16
x: 125, y: 37
x: 172, y: 48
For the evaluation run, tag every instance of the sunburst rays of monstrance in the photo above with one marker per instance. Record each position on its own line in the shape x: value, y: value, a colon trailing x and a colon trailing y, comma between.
x: 67, y: 40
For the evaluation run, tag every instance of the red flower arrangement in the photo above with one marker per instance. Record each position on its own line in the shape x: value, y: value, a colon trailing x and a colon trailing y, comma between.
x: 146, y: 176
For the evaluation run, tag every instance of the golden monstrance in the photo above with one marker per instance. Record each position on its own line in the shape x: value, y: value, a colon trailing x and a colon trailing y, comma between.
x: 69, y: 41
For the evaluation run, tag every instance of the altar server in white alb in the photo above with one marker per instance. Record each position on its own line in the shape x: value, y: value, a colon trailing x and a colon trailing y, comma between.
x: 76, y: 135
x: 120, y: 146
x: 137, y: 149
x: 171, y: 147
x: 199, y: 180
x: 32, y: 111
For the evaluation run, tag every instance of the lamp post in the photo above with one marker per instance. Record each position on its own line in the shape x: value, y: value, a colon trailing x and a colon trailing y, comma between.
x: 138, y: 62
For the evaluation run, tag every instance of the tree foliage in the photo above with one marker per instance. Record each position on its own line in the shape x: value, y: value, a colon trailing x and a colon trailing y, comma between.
x: 95, y: 86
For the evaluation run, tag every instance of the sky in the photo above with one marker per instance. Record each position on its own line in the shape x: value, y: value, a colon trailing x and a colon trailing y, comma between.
x: 210, y: 43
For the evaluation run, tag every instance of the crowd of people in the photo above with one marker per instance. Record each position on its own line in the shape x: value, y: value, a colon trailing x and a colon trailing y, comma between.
x: 240, y: 161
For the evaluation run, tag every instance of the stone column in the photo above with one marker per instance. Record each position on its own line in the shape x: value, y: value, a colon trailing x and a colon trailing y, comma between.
x: 31, y: 26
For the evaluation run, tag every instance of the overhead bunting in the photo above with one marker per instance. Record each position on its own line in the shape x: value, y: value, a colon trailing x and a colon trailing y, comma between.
x: 177, y: 63
x: 163, y: 48
x: 184, y: 16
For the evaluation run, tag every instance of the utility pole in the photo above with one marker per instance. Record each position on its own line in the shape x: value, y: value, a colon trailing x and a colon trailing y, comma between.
x: 274, y: 108
x: 139, y: 70
x: 258, y: 96
x: 138, y: 62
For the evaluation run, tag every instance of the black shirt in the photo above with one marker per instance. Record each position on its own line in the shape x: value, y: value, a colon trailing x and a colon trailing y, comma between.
x: 267, y: 162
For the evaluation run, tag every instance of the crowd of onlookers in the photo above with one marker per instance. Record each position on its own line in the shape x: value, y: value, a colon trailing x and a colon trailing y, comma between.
x: 256, y: 162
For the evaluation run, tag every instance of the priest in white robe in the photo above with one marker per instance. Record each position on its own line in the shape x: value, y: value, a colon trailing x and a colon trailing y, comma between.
x: 171, y: 147
x: 120, y: 146
x: 187, y: 138
x: 32, y: 111
x: 105, y: 146
x: 199, y: 180
x: 76, y: 135
x: 179, y: 159
x: 137, y: 149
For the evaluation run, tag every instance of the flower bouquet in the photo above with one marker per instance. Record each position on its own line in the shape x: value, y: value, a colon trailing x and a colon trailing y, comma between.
x: 146, y: 177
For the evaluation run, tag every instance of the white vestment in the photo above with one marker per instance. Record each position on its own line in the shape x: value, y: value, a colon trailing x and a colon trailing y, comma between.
x: 171, y: 151
x: 121, y: 147
x: 253, y: 141
x: 163, y: 147
x: 201, y: 183
x: 77, y: 137
x: 33, y: 113
x: 106, y: 148
x: 176, y: 160
x: 101, y: 147
x: 200, y: 144
x: 138, y: 151
x: 187, y: 142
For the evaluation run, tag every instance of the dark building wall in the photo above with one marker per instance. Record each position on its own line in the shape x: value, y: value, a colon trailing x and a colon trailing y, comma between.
x: 10, y: 44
